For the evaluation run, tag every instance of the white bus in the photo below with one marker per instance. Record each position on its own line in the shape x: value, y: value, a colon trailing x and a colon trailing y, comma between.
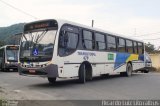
x: 59, y: 49
x: 9, y: 57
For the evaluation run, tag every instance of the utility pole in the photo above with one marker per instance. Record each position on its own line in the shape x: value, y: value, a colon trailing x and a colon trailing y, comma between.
x: 92, y: 23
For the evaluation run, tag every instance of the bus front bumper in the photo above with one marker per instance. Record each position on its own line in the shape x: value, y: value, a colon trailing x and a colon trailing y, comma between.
x: 50, y: 71
x: 11, y: 66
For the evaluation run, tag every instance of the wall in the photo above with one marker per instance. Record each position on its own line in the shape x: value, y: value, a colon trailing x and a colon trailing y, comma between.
x: 155, y: 58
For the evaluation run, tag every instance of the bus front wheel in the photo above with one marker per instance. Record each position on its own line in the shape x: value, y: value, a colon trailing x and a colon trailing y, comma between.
x: 146, y: 71
x: 82, y: 74
x: 4, y: 69
x: 52, y: 80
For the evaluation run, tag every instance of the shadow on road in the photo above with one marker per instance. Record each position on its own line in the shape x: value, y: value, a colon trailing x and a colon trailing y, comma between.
x: 9, y: 71
x: 73, y: 82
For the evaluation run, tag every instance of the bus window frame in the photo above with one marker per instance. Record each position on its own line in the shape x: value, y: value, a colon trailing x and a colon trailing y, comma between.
x: 136, y: 47
x: 111, y: 43
x: 100, y: 41
x: 127, y: 46
x: 93, y: 40
x: 64, y: 29
x: 80, y: 44
x: 121, y: 45
x: 142, y: 48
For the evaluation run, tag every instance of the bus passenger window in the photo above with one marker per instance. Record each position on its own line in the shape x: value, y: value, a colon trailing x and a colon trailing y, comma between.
x: 67, y: 43
x: 121, y: 45
x: 88, y: 40
x: 135, y: 48
x: 129, y: 45
x: 72, y: 40
x: 111, y: 43
x: 100, y: 41
x: 140, y: 48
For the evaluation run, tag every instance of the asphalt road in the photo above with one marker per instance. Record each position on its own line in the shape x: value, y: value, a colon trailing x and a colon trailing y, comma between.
x: 139, y: 86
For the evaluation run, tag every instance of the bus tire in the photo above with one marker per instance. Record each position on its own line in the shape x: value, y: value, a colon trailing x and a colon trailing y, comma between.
x: 82, y: 74
x: 1, y: 67
x: 4, y: 69
x: 129, y: 70
x: 52, y: 80
x: 146, y: 71
x: 122, y: 74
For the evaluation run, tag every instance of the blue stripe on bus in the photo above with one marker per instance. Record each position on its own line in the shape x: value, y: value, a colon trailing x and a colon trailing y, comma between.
x: 121, y: 59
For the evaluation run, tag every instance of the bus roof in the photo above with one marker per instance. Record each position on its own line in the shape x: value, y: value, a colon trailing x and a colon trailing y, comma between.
x: 62, y: 21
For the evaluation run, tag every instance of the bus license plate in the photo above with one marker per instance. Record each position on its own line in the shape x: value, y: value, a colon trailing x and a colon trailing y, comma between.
x: 32, y: 71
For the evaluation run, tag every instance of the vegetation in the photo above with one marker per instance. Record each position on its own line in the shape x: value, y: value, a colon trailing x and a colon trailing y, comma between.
x: 6, y: 33
x: 2, y: 43
x: 150, y: 48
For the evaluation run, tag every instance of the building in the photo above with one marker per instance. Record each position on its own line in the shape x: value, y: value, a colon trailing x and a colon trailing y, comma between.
x: 155, y: 58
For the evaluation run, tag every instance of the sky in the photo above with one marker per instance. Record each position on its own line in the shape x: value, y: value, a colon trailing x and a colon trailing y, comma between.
x: 138, y: 19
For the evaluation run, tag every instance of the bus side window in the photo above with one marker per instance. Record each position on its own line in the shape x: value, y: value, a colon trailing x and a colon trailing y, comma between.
x: 62, y: 39
x: 71, y: 41
x: 67, y: 43
x: 100, y: 41
x: 129, y: 45
x: 111, y: 43
x: 121, y: 45
x: 88, y: 42
x: 140, y: 48
x: 135, y: 48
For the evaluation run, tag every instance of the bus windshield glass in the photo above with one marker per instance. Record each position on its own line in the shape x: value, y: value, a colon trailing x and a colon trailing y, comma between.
x: 37, y: 46
x: 12, y: 55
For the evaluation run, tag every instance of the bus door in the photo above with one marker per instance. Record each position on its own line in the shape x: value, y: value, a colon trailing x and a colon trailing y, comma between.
x: 68, y: 41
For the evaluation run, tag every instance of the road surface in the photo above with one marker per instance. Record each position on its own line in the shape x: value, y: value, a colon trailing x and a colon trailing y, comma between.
x: 139, y: 86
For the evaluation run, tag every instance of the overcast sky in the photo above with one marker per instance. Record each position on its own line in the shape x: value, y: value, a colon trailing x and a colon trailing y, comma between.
x: 126, y: 17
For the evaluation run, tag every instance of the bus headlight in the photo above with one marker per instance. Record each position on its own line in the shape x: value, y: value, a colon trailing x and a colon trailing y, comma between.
x: 44, y: 65
x: 8, y: 62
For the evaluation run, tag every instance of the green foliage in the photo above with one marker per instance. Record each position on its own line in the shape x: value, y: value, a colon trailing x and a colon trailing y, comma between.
x: 149, y: 47
x: 2, y: 43
x: 6, y: 33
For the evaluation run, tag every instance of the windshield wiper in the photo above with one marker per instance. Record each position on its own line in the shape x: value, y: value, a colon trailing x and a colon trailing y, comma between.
x: 39, y: 37
x: 24, y: 37
x: 35, y: 39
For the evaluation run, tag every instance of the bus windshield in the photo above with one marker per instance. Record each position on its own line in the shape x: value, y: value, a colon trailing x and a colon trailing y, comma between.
x: 37, y: 46
x: 12, y: 55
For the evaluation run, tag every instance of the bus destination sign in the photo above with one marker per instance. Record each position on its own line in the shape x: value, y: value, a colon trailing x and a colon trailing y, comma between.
x: 12, y: 47
x: 40, y: 25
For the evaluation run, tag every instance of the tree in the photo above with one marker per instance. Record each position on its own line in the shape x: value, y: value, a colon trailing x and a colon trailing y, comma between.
x: 13, y: 40
x: 149, y: 47
x: 2, y: 43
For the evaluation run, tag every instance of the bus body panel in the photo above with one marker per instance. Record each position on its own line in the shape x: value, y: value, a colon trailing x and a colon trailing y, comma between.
x: 9, y: 57
x: 102, y: 62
